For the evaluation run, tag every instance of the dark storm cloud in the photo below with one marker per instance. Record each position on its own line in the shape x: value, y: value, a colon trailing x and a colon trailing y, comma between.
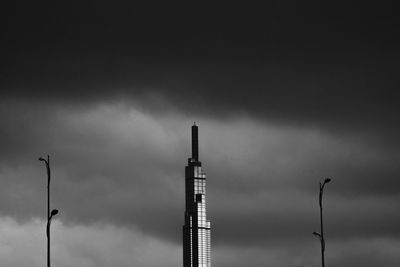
x: 324, y: 64
x: 276, y: 22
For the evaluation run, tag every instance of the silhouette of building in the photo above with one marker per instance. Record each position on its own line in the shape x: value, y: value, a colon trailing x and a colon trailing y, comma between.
x: 196, y: 231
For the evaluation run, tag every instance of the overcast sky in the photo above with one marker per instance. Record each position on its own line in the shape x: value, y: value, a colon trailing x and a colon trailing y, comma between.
x: 284, y: 94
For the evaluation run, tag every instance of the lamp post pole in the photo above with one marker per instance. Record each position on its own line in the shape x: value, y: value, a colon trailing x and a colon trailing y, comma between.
x: 321, y: 234
x: 53, y: 212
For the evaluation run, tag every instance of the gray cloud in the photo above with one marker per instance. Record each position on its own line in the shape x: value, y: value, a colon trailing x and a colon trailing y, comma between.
x: 103, y: 245
x: 97, y: 245
x: 115, y: 163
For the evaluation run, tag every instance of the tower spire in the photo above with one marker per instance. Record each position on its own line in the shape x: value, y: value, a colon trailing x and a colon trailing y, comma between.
x: 195, y: 142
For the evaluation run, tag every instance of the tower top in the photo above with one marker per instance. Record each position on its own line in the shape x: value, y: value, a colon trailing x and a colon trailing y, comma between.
x: 195, y: 142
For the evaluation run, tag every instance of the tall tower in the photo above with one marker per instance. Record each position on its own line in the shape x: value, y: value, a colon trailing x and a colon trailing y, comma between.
x: 196, y: 231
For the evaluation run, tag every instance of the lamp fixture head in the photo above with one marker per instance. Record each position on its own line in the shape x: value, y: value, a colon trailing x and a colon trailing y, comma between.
x: 54, y: 212
x: 317, y: 234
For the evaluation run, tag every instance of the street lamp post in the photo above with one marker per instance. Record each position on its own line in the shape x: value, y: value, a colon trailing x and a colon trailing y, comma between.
x: 321, y: 234
x: 53, y: 212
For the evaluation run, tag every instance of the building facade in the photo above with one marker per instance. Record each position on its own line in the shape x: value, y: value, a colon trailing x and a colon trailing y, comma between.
x: 196, y: 231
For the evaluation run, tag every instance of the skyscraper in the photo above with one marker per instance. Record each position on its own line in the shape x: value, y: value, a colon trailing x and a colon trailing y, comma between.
x: 196, y: 231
